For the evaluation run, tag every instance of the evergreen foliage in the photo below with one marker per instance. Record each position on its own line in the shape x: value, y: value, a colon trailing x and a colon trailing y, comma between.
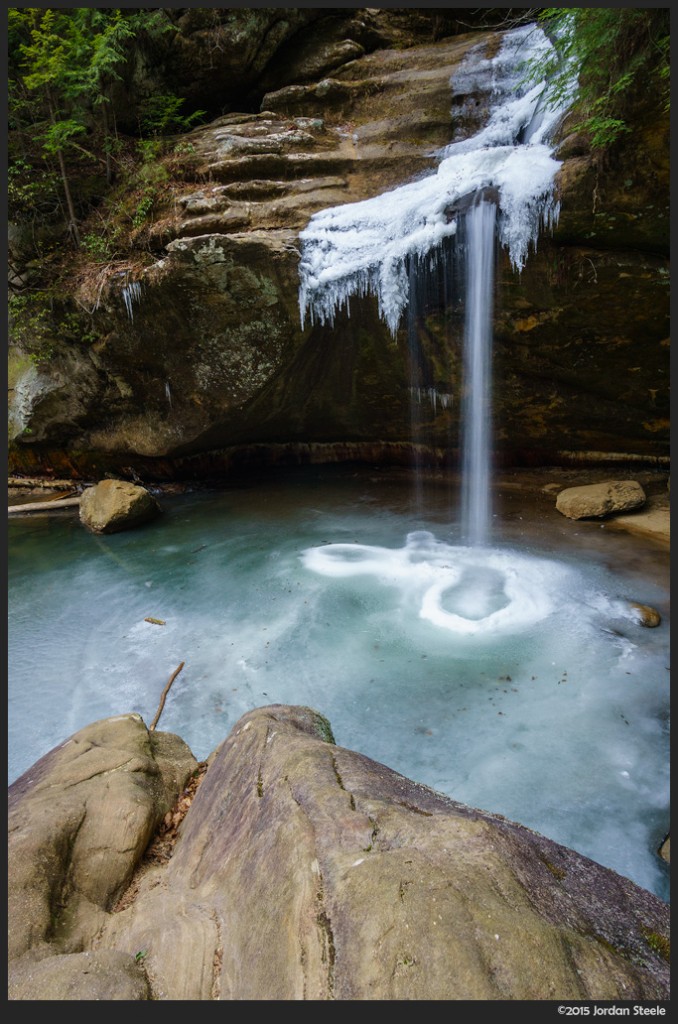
x: 62, y: 65
x: 161, y: 114
x: 617, y: 54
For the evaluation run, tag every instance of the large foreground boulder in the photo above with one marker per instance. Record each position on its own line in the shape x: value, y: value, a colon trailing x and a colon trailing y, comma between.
x: 303, y: 870
x: 91, y: 975
x: 114, y: 505
x: 79, y: 822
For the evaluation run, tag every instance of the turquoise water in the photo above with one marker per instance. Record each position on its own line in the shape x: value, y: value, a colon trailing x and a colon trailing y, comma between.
x: 555, y: 716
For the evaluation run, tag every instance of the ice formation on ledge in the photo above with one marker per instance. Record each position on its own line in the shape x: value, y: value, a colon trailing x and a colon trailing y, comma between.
x: 131, y: 293
x: 363, y: 247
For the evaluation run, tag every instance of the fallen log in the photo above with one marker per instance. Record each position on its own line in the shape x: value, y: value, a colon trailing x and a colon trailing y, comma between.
x: 43, y: 506
x: 39, y: 483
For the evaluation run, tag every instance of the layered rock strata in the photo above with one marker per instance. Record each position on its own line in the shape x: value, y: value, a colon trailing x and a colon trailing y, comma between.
x: 199, y: 349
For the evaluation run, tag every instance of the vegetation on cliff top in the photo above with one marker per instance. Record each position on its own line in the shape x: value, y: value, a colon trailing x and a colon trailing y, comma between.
x: 64, y: 65
x: 69, y: 70
x: 71, y: 172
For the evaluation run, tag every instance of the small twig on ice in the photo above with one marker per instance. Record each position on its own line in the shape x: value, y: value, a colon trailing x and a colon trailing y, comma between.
x: 164, y: 695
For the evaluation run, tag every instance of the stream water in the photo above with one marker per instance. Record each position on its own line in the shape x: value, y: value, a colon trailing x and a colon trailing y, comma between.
x: 327, y: 588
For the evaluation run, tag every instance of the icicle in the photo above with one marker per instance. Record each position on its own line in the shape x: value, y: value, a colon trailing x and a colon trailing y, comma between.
x: 362, y: 248
x: 434, y: 396
x: 131, y: 293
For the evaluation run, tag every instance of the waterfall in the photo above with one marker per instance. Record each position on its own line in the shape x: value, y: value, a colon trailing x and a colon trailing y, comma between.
x: 480, y: 248
x: 415, y: 382
x: 395, y: 244
x: 364, y: 247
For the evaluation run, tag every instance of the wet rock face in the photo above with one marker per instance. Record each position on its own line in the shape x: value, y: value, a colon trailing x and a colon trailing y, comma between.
x: 209, y: 352
x: 303, y: 870
x: 581, y: 352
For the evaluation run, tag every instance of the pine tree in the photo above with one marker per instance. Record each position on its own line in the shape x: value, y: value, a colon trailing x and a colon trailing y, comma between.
x: 68, y: 59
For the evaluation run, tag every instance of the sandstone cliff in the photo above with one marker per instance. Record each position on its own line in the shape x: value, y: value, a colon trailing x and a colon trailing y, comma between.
x: 188, y: 354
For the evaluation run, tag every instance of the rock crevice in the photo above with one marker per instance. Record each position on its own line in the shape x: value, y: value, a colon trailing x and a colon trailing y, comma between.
x: 300, y: 893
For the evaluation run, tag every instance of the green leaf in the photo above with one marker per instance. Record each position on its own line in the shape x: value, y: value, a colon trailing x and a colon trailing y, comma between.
x: 57, y: 136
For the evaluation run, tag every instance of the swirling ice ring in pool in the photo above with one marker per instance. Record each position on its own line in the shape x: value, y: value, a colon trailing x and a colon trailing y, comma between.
x: 467, y: 590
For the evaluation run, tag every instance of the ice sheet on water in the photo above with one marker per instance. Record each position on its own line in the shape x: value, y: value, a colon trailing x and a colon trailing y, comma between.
x: 538, y: 724
x: 479, y: 591
x: 361, y: 248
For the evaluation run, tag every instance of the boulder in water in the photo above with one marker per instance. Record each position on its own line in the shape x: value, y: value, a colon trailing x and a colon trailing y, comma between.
x: 114, y: 505
x: 645, y: 614
x: 593, y: 501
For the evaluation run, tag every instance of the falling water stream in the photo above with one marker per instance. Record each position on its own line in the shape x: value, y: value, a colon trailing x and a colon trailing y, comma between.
x: 476, y: 423
x: 485, y: 650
